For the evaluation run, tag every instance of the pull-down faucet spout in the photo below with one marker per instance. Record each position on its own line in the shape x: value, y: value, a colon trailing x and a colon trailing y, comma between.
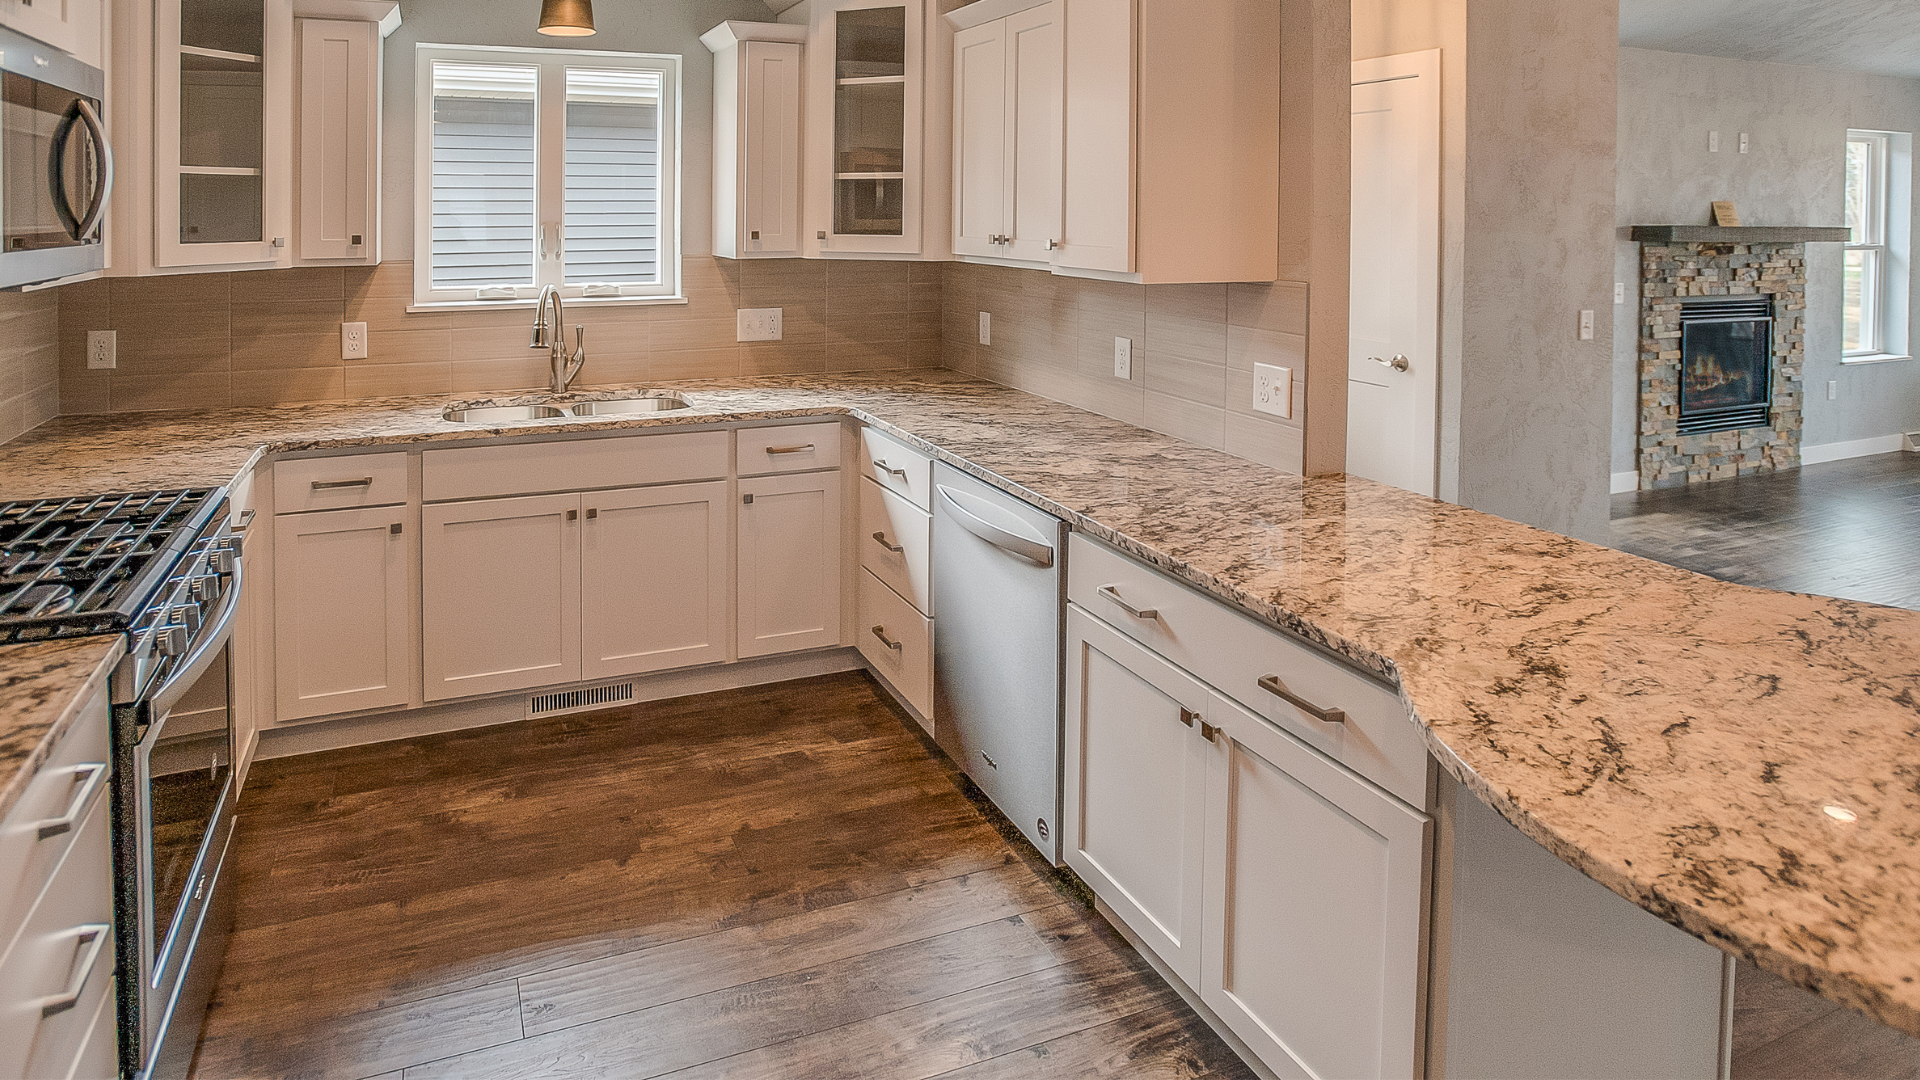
x: 552, y: 336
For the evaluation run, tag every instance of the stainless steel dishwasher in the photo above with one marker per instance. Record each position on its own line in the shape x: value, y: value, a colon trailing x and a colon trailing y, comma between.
x: 998, y: 592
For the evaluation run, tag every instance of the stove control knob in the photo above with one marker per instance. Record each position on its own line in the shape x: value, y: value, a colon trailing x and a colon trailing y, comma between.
x: 221, y: 560
x: 204, y: 589
x: 170, y: 640
x: 188, y: 615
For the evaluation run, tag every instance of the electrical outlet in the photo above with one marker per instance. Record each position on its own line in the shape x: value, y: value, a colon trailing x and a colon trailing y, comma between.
x: 1713, y: 142
x: 1123, y: 358
x: 1744, y: 143
x: 1619, y: 292
x: 1273, y: 390
x: 1586, y: 326
x: 353, y: 341
x: 760, y: 324
x: 1833, y: 390
x: 986, y: 328
x: 103, y: 349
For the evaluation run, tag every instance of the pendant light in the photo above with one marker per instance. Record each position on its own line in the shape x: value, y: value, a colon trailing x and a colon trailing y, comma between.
x: 566, y: 18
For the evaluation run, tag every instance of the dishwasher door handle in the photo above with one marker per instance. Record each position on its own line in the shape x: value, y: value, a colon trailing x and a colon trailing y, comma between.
x: 1031, y: 550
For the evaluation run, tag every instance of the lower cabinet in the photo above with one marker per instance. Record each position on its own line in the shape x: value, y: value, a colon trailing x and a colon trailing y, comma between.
x: 653, y: 579
x: 789, y: 562
x: 343, y: 586
x: 1282, y: 888
x: 897, y: 640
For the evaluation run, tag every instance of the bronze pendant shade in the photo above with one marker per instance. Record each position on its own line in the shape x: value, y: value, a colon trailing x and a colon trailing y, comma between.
x: 566, y: 18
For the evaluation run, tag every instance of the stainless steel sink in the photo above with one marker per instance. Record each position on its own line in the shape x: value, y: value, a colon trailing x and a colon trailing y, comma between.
x: 504, y: 414
x: 624, y: 406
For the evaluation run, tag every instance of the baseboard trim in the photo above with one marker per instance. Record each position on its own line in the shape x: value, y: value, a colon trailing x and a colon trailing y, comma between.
x: 1840, y: 451
x: 316, y: 736
x: 1624, y: 482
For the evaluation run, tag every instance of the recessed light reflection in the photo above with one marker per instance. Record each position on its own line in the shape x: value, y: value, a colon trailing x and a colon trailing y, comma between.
x: 1840, y: 813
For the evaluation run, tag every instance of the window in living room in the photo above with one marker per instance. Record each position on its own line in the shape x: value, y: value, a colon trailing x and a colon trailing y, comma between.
x: 1874, y: 282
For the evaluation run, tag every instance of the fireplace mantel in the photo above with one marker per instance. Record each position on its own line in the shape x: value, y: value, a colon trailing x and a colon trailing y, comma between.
x: 1740, y: 234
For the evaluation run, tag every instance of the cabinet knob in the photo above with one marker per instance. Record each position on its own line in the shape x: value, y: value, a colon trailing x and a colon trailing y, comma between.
x: 1053, y: 245
x: 756, y: 234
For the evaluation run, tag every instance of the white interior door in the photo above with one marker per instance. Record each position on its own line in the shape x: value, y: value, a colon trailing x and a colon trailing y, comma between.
x: 1393, y: 371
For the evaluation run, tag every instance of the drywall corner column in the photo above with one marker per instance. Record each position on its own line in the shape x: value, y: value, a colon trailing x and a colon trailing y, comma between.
x: 1535, y: 401
x: 1315, y: 121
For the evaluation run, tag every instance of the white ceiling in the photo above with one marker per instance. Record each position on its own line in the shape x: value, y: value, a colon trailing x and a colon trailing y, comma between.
x: 1878, y: 36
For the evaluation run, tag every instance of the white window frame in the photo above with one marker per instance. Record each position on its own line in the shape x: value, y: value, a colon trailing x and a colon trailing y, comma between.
x: 1887, y: 247
x: 550, y: 186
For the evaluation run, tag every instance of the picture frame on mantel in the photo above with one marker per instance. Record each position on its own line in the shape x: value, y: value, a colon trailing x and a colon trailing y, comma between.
x: 1726, y: 215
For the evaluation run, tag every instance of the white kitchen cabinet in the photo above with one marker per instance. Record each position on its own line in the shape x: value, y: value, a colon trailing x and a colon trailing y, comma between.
x: 790, y: 559
x: 1135, y: 811
x: 1007, y: 129
x: 338, y: 163
x: 344, y: 587
x: 653, y: 579
x: 1313, y: 895
x: 895, y: 541
x: 897, y: 640
x: 500, y: 603
x: 756, y: 138
x: 72, y: 26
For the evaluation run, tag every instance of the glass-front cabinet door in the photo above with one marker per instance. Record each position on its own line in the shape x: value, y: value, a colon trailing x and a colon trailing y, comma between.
x: 868, y: 81
x: 221, y: 69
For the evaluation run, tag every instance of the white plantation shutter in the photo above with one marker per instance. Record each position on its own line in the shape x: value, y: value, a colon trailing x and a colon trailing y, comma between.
x: 613, y: 176
x: 547, y: 166
x: 483, y: 175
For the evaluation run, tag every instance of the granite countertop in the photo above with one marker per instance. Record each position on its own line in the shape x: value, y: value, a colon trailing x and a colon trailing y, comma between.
x: 1676, y: 738
x: 42, y: 688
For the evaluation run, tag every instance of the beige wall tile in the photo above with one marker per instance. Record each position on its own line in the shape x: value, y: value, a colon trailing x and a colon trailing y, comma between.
x: 184, y: 290
x: 680, y: 335
x: 155, y: 351
x: 298, y: 283
x: 603, y: 370
x: 85, y: 394
x: 13, y: 418
x: 866, y: 299
x: 1199, y: 382
x: 398, y: 380
x: 1278, y: 446
x: 187, y: 390
x: 1182, y: 419
x: 251, y: 318
x: 666, y: 365
x: 765, y: 282
x: 861, y: 273
x: 1280, y: 306
x: 288, y: 386
x: 492, y: 343
x: 407, y: 346
x: 523, y: 372
x: 1246, y: 346
x: 279, y: 352
x: 783, y: 358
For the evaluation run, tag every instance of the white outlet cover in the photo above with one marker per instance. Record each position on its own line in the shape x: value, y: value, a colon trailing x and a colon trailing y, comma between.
x: 1122, y: 358
x: 1273, y: 390
x: 986, y: 328
x: 103, y: 348
x: 1619, y: 292
x: 353, y: 341
x: 760, y: 324
x: 1586, y: 325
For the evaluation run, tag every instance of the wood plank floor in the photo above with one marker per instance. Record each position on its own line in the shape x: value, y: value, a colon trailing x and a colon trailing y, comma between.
x: 778, y: 882
x: 1843, y: 528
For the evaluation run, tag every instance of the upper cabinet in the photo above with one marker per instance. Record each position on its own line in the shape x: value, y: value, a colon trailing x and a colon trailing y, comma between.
x: 76, y: 27
x: 757, y: 74
x: 867, y: 88
x: 247, y: 133
x: 1137, y: 140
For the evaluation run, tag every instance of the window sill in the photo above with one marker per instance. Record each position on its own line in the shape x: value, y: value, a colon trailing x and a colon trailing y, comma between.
x: 572, y: 302
x: 1873, y: 358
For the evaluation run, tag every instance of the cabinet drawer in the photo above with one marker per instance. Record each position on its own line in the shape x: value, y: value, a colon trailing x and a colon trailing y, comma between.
x: 893, y: 466
x: 787, y: 449
x: 339, y: 483
x: 481, y: 472
x: 1236, y: 654
x: 65, y: 943
x: 74, y: 779
x: 889, y: 522
x: 898, y: 641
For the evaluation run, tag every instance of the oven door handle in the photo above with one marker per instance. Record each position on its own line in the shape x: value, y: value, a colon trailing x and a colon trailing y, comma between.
x: 217, y: 631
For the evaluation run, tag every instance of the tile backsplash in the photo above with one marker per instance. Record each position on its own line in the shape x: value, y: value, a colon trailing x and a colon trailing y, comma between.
x: 29, y: 361
x: 1193, y: 346
x: 273, y: 336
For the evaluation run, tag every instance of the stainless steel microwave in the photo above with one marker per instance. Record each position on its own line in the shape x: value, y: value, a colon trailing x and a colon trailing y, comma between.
x: 56, y: 169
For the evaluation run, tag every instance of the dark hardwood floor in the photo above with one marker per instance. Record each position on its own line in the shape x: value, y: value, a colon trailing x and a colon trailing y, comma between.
x: 1843, y: 528
x: 779, y: 882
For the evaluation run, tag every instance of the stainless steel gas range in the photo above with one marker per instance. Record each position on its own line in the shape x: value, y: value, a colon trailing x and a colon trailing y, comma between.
x: 162, y: 568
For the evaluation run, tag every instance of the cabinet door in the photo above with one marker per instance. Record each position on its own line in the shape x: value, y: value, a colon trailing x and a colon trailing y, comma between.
x: 980, y: 138
x: 500, y: 604
x: 864, y: 162
x: 342, y: 612
x: 770, y: 148
x: 790, y: 563
x: 1314, y: 886
x: 222, y: 150
x: 1135, y: 787
x: 1035, y: 90
x: 339, y: 136
x: 653, y: 579
x: 1098, y: 177
x: 72, y: 26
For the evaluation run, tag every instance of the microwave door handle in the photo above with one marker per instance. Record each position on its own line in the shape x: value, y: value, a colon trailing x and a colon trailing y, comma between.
x: 57, y: 169
x: 103, y: 187
x: 218, y: 629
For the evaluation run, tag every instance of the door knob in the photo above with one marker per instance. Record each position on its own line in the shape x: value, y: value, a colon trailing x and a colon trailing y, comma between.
x: 1398, y: 363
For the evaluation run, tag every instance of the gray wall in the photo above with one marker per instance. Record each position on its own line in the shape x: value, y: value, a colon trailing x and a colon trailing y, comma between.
x: 1797, y: 118
x: 656, y: 26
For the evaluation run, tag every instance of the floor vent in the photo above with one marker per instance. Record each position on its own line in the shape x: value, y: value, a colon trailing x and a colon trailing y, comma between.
x: 566, y: 701
x: 1913, y: 440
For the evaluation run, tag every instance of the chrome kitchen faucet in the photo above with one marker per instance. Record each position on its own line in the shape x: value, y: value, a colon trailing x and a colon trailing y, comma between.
x: 553, y: 338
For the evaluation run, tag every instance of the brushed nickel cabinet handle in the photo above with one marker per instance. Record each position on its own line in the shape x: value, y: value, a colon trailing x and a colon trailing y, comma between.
x: 1272, y: 685
x: 83, y: 793
x: 573, y: 515
x: 889, y: 469
x: 335, y: 485
x: 97, y: 934
x: 1145, y: 614
x: 1208, y: 731
x: 881, y: 633
x: 593, y: 515
x: 395, y: 528
x: 775, y: 451
x: 881, y: 539
x: 1188, y: 716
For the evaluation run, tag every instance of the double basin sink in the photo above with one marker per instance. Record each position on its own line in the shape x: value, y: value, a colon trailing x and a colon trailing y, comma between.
x: 657, y: 402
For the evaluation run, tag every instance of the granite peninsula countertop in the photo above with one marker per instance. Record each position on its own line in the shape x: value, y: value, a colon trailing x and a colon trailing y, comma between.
x: 42, y: 688
x: 1674, y: 737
